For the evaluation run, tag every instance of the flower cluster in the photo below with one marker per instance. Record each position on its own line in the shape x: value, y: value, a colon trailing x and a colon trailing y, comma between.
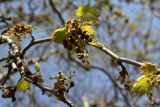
x: 18, y: 30
x: 9, y: 92
x: 78, y: 38
x: 63, y: 83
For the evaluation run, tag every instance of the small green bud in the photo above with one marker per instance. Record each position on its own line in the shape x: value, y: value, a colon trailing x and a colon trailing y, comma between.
x: 37, y: 67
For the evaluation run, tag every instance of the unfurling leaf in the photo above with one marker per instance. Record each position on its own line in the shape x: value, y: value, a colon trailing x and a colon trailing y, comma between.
x: 88, y: 14
x: 148, y: 68
x: 142, y: 86
x: 23, y: 85
x: 59, y: 35
x: 88, y: 29
x: 96, y: 43
x: 37, y: 67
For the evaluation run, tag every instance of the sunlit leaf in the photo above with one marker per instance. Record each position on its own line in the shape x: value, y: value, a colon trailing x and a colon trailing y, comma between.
x: 88, y: 14
x: 88, y: 29
x: 96, y: 43
x: 80, y: 11
x: 59, y: 35
x: 23, y: 85
x: 148, y: 68
x: 142, y: 86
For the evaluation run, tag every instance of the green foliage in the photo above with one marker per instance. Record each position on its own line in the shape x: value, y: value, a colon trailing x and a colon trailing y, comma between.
x: 88, y: 14
x: 142, y: 85
x: 74, y: 37
x: 148, y: 68
x: 88, y: 29
x: 145, y: 83
x: 59, y: 35
x: 23, y: 85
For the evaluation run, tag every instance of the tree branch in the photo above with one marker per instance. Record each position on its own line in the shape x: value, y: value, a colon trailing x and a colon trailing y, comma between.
x: 104, y: 49
x: 50, y: 90
x: 3, y: 59
x: 118, y: 58
x: 23, y: 51
x: 106, y: 73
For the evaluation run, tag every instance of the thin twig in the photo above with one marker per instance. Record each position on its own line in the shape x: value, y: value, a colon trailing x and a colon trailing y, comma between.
x: 3, y: 59
x: 104, y: 49
x: 56, y: 11
x: 118, y: 58
x: 47, y: 89
x: 106, y: 73
x: 23, y: 51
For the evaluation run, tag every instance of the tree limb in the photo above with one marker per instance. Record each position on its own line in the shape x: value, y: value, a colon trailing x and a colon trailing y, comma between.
x: 118, y: 58
x: 104, y: 49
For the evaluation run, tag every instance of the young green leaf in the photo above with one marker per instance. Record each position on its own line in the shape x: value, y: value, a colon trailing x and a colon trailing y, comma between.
x: 23, y: 85
x: 148, y: 68
x: 80, y: 11
x: 88, y: 29
x: 142, y: 86
x: 88, y: 14
x: 59, y: 35
x: 96, y: 43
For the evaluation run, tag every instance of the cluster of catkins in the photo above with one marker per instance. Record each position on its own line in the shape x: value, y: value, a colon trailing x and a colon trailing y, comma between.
x: 77, y: 39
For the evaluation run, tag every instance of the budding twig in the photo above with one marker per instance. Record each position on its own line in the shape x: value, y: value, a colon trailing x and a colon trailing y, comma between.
x: 104, y: 49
